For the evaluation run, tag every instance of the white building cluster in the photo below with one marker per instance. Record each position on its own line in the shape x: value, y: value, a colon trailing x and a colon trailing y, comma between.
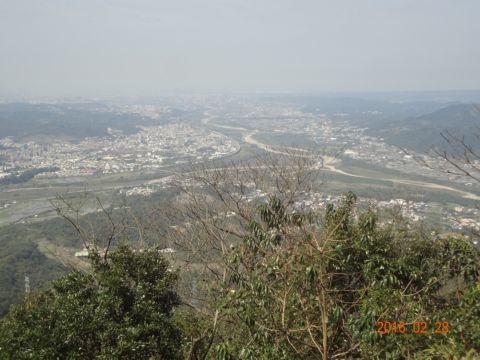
x: 150, y: 148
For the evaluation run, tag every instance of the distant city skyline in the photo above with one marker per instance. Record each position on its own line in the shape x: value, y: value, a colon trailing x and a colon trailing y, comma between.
x: 146, y: 47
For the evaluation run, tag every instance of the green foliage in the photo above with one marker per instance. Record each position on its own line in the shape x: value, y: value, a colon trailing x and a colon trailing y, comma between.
x: 20, y: 256
x: 121, y: 309
x: 298, y: 287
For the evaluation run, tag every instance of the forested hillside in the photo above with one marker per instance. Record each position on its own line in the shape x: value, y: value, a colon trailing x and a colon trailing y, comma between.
x: 21, y: 120
x: 260, y: 280
x: 20, y: 257
x: 421, y: 133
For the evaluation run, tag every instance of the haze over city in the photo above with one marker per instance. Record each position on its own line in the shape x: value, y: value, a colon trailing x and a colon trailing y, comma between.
x: 144, y: 47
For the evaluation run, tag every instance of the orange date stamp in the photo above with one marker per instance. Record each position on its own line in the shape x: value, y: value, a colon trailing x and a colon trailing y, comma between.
x: 415, y: 327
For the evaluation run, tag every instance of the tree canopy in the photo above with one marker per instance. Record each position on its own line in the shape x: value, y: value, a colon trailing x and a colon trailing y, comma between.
x: 303, y: 287
x: 120, y: 309
x: 292, y: 285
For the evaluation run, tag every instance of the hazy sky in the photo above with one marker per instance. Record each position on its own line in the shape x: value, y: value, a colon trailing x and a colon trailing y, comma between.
x: 145, y: 47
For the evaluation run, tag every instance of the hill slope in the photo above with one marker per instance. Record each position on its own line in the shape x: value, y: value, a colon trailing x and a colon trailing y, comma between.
x: 423, y: 132
x: 21, y: 120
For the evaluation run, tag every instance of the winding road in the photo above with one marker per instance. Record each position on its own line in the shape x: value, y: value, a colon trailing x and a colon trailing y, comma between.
x: 329, y: 162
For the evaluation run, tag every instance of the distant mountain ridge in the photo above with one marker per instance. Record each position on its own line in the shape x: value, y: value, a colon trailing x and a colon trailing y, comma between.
x: 423, y: 132
x: 463, y: 115
x: 75, y: 121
